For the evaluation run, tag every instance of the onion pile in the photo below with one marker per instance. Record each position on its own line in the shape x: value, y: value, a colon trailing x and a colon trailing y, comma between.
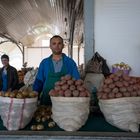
x: 69, y: 87
x: 119, y: 85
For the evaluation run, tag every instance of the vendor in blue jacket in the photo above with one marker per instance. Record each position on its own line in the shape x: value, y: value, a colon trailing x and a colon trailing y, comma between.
x: 51, y: 69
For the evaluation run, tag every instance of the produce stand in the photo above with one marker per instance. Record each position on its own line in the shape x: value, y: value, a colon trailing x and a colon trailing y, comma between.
x: 95, y: 128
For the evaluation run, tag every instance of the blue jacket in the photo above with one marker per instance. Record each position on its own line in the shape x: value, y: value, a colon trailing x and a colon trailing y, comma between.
x: 43, y: 70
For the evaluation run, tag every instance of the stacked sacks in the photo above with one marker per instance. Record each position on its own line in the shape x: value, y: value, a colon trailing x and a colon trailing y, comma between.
x: 120, y: 102
x: 70, y: 103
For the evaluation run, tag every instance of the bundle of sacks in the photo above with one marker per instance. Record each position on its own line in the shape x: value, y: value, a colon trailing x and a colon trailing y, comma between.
x: 17, y: 108
x: 70, y: 103
x: 119, y: 100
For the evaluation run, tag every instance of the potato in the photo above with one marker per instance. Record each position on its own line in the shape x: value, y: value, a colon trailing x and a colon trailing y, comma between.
x: 68, y: 93
x: 40, y: 127
x: 65, y: 87
x: 134, y: 80
x: 119, y: 84
x: 52, y: 92
x: 104, y: 96
x: 61, y: 93
x: 75, y: 93
x: 129, y: 89
x: 12, y: 95
x: 38, y: 118
x: 83, y: 94
x: 34, y: 127
x: 43, y: 119
x: 107, y: 90
x: 57, y: 88
x: 111, y: 95
x: 51, y: 124
x: 122, y: 89
x: 126, y: 94
x: 131, y: 82
x: 79, y: 82
x: 72, y: 87
x: 80, y: 88
x: 118, y: 95
x: 115, y: 90
x: 108, y: 81
x: 70, y: 82
x: 25, y: 93
x: 63, y: 82
x: 7, y: 94
x: 33, y: 94
x: 125, y: 83
x: 111, y: 86
x: 19, y: 96
x: 135, y: 87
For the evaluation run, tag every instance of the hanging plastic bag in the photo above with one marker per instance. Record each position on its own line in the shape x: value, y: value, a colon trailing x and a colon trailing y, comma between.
x: 97, y: 65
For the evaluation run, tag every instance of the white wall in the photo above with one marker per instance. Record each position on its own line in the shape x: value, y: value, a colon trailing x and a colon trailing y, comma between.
x: 117, y: 32
x: 33, y: 56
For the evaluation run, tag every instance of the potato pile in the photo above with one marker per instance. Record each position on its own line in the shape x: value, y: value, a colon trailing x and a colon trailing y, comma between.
x: 19, y: 94
x: 69, y: 87
x: 119, y: 85
x: 42, y: 114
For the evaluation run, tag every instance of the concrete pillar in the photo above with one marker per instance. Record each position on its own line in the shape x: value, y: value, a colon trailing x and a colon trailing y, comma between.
x: 88, y: 29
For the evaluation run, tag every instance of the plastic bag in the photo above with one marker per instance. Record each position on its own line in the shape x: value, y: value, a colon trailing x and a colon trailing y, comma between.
x: 70, y: 113
x: 123, y: 113
x: 17, y: 113
x: 97, y: 65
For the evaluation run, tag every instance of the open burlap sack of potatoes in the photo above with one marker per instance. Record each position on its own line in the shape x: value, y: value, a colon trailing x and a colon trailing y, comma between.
x: 119, y: 100
x: 123, y: 113
x: 16, y: 110
x: 70, y: 113
x: 70, y: 103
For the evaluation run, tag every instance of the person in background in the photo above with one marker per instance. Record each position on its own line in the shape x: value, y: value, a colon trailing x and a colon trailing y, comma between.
x: 51, y: 69
x: 8, y: 75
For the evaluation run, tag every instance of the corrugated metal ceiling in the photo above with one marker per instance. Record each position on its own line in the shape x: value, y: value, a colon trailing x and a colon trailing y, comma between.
x: 24, y: 20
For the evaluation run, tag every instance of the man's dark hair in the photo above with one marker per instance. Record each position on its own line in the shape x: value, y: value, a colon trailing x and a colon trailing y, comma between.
x: 56, y: 36
x: 5, y: 56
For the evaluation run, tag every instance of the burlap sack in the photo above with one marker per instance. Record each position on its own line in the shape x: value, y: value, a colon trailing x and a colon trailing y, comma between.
x: 17, y: 113
x: 123, y: 113
x: 70, y: 113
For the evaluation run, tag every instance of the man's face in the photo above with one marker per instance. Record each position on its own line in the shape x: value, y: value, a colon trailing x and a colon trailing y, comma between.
x: 56, y: 46
x: 5, y: 61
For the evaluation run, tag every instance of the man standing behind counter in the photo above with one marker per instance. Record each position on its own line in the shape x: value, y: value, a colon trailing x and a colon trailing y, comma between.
x: 51, y: 69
